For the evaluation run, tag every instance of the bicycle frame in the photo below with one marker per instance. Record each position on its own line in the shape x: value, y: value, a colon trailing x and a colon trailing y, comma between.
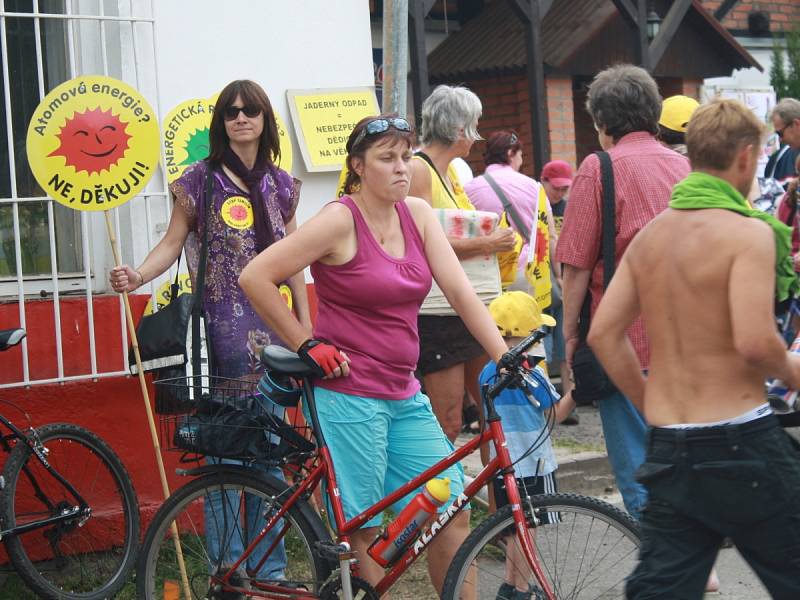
x: 79, y: 511
x: 324, y: 470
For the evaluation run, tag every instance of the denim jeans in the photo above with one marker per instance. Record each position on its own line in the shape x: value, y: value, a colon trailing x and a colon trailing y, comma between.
x: 737, y: 481
x: 229, y: 529
x: 625, y: 431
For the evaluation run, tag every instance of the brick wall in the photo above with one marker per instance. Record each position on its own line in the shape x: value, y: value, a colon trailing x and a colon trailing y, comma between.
x: 572, y: 134
x: 561, y: 112
x: 691, y: 88
x: 586, y: 140
x: 505, y: 106
x: 784, y: 14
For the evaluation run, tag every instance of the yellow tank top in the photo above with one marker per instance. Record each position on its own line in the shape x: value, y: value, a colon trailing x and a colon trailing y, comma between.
x: 440, y: 195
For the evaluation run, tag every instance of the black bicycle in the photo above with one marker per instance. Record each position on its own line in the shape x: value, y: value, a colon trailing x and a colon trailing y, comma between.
x: 69, y: 517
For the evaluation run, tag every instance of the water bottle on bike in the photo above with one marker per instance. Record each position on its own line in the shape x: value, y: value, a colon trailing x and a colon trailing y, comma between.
x: 403, y: 530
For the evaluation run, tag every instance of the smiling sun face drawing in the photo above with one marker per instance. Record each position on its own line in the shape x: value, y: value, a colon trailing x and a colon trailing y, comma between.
x: 93, y: 143
x: 93, y: 140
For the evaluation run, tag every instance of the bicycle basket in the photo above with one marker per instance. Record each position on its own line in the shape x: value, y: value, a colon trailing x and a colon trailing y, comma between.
x: 170, y: 397
x: 227, y: 418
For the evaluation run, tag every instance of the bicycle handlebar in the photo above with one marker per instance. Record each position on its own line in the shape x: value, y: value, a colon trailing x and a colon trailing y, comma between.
x: 511, y: 361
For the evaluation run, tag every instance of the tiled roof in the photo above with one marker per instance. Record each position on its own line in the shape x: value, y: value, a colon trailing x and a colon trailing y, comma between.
x: 494, y: 41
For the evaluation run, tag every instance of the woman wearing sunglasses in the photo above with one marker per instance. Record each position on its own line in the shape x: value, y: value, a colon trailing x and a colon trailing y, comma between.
x: 253, y: 205
x: 373, y: 254
x: 451, y: 359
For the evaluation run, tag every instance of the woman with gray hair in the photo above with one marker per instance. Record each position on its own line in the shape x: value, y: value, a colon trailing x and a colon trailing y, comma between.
x: 450, y: 358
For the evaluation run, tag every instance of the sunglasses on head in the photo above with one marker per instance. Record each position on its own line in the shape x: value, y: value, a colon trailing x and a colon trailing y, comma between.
x: 377, y: 126
x: 232, y: 112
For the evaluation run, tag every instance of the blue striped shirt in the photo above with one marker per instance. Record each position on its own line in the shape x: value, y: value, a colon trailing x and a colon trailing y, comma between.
x: 523, y: 422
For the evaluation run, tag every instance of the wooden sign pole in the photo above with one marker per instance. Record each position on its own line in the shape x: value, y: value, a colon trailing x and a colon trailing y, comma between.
x: 148, y: 409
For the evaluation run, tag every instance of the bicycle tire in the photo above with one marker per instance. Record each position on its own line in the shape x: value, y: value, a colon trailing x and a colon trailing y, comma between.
x: 80, y: 560
x: 562, y: 546
x: 158, y: 575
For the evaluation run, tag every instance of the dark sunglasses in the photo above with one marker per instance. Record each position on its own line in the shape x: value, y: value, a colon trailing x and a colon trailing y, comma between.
x: 377, y: 126
x: 232, y: 112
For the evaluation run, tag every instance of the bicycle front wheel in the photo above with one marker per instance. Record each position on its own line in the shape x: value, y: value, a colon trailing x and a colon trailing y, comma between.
x: 585, y: 548
x: 86, y: 558
x: 218, y: 516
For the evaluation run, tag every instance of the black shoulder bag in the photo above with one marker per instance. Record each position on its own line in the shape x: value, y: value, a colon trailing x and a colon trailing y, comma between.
x: 591, y: 381
x: 162, y: 336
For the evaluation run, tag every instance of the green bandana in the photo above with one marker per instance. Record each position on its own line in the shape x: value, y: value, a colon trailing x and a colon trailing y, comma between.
x: 701, y: 190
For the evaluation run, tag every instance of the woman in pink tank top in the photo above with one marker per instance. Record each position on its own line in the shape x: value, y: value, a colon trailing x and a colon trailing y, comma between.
x: 373, y: 255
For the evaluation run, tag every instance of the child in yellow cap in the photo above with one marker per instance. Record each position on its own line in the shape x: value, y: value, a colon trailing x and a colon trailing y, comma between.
x: 675, y: 114
x: 517, y: 314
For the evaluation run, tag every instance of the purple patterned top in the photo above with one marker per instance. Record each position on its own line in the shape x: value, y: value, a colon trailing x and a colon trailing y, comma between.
x: 237, y: 333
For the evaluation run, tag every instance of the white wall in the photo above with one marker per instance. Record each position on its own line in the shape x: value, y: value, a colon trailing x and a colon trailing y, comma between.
x: 281, y: 44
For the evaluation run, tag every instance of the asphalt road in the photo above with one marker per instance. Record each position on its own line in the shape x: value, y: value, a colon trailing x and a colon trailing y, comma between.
x: 737, y: 581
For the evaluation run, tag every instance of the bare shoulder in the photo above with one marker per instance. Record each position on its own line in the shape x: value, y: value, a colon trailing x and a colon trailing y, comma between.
x: 418, y: 206
x: 420, y: 177
x: 335, y: 217
x: 419, y: 169
x: 420, y: 211
x: 755, y: 227
x: 739, y: 233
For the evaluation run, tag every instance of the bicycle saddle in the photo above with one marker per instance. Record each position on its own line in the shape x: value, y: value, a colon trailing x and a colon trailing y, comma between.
x: 10, y: 337
x: 285, y: 361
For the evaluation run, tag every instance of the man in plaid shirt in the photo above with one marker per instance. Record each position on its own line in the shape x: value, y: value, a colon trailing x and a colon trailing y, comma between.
x: 625, y: 105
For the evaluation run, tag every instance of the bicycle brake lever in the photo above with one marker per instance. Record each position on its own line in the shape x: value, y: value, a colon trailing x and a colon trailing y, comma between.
x: 532, y: 399
x: 530, y: 381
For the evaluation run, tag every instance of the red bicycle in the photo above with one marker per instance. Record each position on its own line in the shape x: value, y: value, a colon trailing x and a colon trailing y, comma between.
x: 559, y: 545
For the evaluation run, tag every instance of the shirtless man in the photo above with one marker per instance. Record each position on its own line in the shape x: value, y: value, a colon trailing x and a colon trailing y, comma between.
x: 718, y: 464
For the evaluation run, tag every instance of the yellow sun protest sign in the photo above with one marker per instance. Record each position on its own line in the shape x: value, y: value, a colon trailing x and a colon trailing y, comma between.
x: 93, y: 143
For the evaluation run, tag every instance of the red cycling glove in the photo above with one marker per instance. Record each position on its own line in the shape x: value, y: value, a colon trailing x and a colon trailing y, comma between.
x: 322, y: 357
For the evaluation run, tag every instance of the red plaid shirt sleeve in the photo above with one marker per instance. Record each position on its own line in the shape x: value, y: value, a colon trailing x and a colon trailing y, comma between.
x: 579, y: 242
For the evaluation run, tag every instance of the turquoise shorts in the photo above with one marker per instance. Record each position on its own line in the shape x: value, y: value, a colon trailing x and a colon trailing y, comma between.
x: 378, y: 445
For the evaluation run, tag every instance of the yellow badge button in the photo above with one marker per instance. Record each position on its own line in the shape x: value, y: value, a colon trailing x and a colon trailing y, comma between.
x: 286, y: 294
x: 237, y: 212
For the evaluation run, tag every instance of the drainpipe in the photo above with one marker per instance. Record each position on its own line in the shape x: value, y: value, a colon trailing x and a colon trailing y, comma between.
x: 395, y: 55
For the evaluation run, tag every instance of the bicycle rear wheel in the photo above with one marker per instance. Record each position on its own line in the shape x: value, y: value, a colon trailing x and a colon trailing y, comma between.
x: 291, y: 560
x: 87, y: 558
x: 586, y: 548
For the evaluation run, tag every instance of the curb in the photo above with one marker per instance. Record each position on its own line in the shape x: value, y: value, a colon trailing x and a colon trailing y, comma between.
x: 587, y: 473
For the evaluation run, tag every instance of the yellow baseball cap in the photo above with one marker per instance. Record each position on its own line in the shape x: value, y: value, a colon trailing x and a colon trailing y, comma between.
x: 517, y: 314
x: 676, y: 112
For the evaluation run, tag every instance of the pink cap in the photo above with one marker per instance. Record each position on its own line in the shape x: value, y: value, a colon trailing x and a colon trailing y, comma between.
x: 558, y: 173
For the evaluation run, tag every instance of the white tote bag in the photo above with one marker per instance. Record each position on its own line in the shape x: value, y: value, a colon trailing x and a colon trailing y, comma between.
x: 482, y: 271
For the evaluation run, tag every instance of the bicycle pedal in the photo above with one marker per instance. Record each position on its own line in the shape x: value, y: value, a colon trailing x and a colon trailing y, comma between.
x: 333, y: 551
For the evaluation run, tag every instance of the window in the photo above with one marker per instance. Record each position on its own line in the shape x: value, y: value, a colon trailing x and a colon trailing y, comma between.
x: 47, y: 250
x: 32, y: 250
